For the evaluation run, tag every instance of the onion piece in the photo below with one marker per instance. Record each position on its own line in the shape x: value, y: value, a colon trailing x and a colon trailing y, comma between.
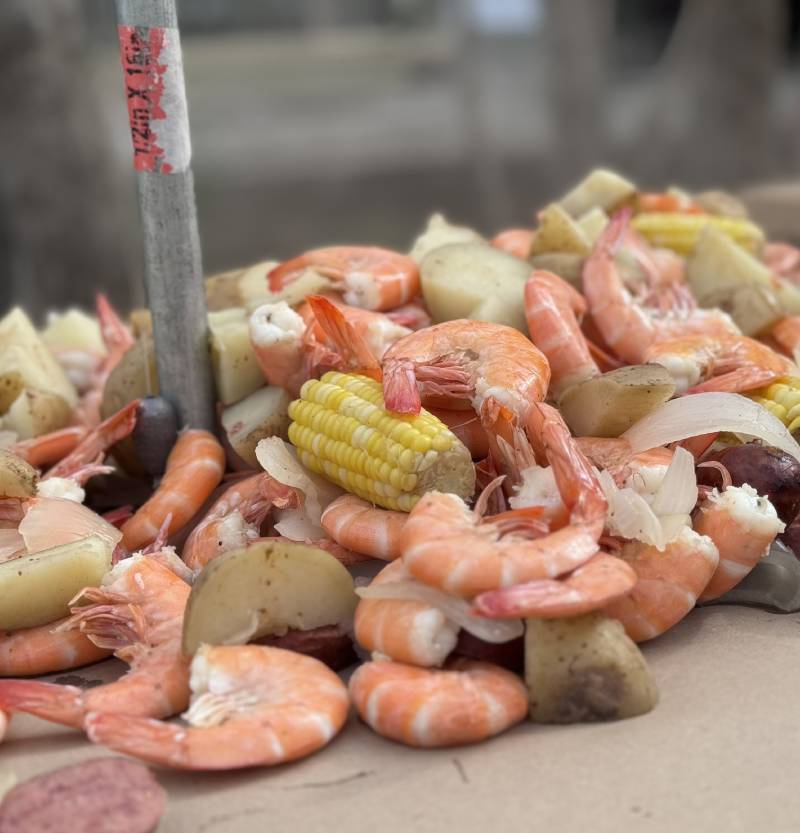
x: 677, y: 494
x: 456, y: 610
x: 51, y: 521
x: 12, y: 545
x: 706, y: 413
x: 629, y: 514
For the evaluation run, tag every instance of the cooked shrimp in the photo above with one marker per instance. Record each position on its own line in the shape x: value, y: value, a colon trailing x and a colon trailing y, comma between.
x: 515, y: 241
x: 194, y: 469
x: 138, y: 613
x: 667, y: 201
x: 47, y: 449
x: 785, y: 332
x: 602, y: 579
x: 463, y: 363
x: 413, y: 315
x: 783, y: 259
x: 29, y: 652
x: 552, y: 310
x: 466, y: 703
x: 743, y: 525
x: 96, y: 442
x: 668, y: 583
x: 369, y: 277
x: 627, y: 327
x: 364, y: 528
x: 252, y: 705
x: 719, y: 363
x: 467, y: 426
x: 402, y: 629
x: 235, y: 518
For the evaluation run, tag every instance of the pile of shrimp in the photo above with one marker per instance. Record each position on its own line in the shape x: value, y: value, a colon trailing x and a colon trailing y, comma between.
x: 544, y: 536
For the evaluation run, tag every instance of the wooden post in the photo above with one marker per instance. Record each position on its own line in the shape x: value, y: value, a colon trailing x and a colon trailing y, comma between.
x: 156, y: 97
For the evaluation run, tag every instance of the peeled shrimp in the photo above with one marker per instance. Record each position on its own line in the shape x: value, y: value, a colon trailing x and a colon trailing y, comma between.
x: 461, y: 363
x: 251, y: 706
x: 235, y: 518
x: 194, y: 469
x: 719, y: 363
x: 742, y: 525
x: 627, y: 327
x: 552, y: 310
x: 138, y: 613
x: 369, y: 277
x: 515, y: 241
x: 602, y: 579
x: 29, y: 652
x: 364, y: 528
x: 402, y: 629
x: 465, y: 703
x: 668, y: 583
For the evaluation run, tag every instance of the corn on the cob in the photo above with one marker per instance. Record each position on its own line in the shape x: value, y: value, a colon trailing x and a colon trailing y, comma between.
x: 782, y: 399
x: 680, y: 232
x: 342, y: 431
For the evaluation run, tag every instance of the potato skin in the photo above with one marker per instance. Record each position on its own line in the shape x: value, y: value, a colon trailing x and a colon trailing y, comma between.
x: 585, y: 669
x: 17, y: 478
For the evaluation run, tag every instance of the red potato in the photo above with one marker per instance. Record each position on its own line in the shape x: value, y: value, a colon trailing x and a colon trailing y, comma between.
x: 103, y: 795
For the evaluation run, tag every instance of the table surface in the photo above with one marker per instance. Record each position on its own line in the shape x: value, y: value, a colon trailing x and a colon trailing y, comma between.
x: 720, y: 752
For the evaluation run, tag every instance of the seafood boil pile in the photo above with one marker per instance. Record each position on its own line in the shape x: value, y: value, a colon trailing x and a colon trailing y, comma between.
x: 468, y: 480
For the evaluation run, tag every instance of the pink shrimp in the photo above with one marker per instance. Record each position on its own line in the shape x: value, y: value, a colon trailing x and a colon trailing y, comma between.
x: 515, y: 241
x: 668, y: 583
x: 742, y: 525
x: 785, y: 333
x: 601, y: 580
x: 461, y: 363
x: 783, y: 259
x: 413, y: 315
x: 138, y: 613
x: 30, y: 652
x: 47, y: 449
x: 404, y: 630
x: 235, y: 518
x: 627, y: 327
x: 466, y: 702
x: 719, y: 363
x: 194, y: 469
x: 364, y: 528
x: 369, y: 277
x: 552, y: 310
x: 467, y: 426
x: 252, y: 705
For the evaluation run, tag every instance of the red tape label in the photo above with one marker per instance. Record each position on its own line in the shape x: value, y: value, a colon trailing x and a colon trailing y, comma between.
x: 156, y: 99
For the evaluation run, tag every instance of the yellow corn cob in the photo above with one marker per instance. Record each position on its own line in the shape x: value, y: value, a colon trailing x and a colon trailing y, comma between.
x: 342, y: 431
x: 782, y: 399
x: 680, y: 232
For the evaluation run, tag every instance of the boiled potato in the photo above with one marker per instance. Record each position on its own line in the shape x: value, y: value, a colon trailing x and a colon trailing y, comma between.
x: 721, y: 203
x: 17, y: 478
x: 592, y: 223
x: 73, y: 330
x: 36, y: 589
x: 141, y: 322
x: 566, y: 265
x: 438, y: 233
x: 474, y: 280
x: 788, y: 295
x: 601, y: 188
x: 723, y: 274
x: 262, y: 414
x: 608, y: 405
x: 266, y: 589
x: 236, y: 371
x: 36, y: 412
x: 23, y: 353
x: 254, y: 289
x: 583, y: 669
x: 558, y: 232
x: 11, y: 386
x: 135, y: 376
x: 222, y: 291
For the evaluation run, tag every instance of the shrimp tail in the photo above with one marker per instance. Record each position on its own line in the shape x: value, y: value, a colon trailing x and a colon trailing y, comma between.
x: 400, y: 391
x: 56, y: 703
x: 98, y: 441
x: 116, y: 336
x: 350, y: 344
x: 143, y: 738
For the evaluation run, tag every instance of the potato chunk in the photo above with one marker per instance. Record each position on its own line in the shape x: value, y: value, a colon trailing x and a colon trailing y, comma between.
x: 36, y: 589
x: 236, y: 371
x: 266, y: 589
x: 607, y: 405
x: 17, y: 478
x: 36, y: 412
x: 262, y: 414
x: 585, y: 669
x: 474, y: 280
x: 558, y: 232
x: 601, y: 188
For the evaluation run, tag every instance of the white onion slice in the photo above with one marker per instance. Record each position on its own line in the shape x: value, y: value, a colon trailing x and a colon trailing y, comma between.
x: 705, y: 413
x: 12, y: 545
x: 456, y: 610
x: 677, y: 494
x: 629, y: 514
x: 51, y: 521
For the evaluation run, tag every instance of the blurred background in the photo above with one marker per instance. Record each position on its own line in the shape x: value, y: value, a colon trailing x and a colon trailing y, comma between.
x: 322, y: 121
